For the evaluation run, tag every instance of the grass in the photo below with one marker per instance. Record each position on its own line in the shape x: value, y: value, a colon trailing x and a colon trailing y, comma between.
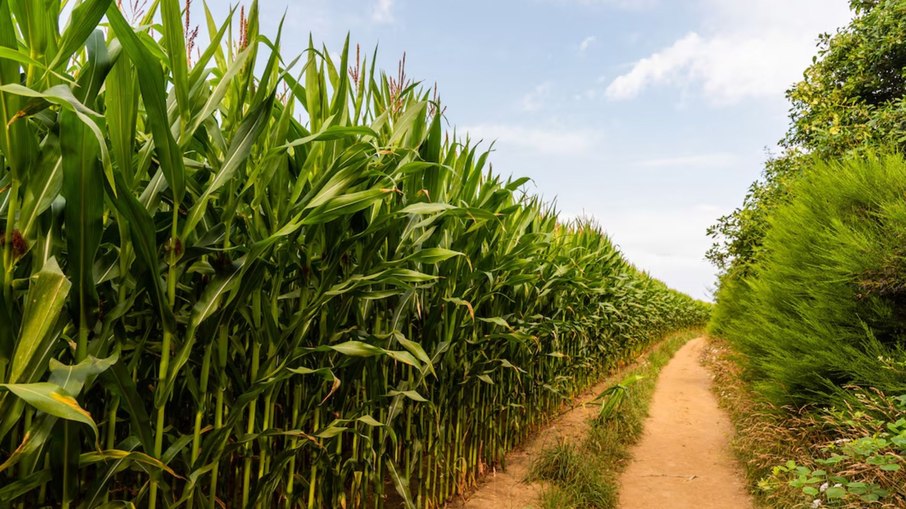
x: 768, y: 437
x: 585, y: 473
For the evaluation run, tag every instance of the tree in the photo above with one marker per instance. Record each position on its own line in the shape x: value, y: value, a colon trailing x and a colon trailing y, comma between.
x: 852, y: 99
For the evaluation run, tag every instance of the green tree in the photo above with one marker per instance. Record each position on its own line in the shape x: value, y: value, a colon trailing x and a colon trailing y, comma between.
x: 852, y: 99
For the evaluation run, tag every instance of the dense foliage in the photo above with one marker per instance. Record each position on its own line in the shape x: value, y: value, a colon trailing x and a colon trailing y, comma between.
x: 825, y: 308
x: 813, y: 282
x: 810, y: 288
x: 852, y: 99
x: 207, y: 301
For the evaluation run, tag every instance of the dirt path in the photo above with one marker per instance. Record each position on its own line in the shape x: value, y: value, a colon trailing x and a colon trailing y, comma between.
x: 683, y: 459
x: 508, y: 489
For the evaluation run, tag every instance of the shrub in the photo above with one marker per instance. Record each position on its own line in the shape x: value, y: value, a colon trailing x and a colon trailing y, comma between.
x: 824, y: 306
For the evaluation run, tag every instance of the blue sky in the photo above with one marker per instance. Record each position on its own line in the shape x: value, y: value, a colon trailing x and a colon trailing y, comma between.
x: 652, y: 116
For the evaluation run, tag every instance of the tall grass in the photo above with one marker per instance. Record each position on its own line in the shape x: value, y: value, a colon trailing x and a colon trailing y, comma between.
x: 823, y: 307
x: 207, y: 301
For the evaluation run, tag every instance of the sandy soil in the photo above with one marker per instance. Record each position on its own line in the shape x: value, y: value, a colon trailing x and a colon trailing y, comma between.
x: 683, y: 459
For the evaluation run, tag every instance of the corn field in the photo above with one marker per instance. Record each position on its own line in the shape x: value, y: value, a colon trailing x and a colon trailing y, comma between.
x: 231, y: 279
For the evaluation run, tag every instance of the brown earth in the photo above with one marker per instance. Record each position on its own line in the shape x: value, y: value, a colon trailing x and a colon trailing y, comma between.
x: 684, y: 458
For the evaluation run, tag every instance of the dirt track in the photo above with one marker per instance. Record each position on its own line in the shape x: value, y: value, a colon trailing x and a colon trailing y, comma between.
x: 683, y: 459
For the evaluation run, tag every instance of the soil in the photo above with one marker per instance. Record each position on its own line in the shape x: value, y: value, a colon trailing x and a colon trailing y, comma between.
x: 684, y: 458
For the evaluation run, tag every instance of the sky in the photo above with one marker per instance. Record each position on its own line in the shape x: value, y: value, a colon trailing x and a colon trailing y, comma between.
x: 651, y: 116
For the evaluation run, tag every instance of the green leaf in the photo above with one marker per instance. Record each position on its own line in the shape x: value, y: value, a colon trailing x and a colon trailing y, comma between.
x: 175, y: 44
x: 73, y: 378
x: 401, y: 483
x: 426, y: 208
x: 83, y: 189
x: 37, y: 435
x: 43, y: 189
x: 216, y: 99
x: 142, y: 233
x: 125, y: 458
x: 354, y: 349
x: 413, y: 395
x: 404, y: 357
x: 82, y: 22
x: 496, y: 320
x: 433, y: 255
x: 833, y: 493
x: 121, y: 114
x: 331, y: 431
x: 46, y: 296
x: 240, y: 150
x: 7, y: 334
x: 210, y: 300
x: 416, y: 350
x: 333, y: 133
x: 118, y: 381
x: 153, y: 89
x: 345, y: 205
x: 371, y: 421
x: 52, y: 399
x: 29, y: 483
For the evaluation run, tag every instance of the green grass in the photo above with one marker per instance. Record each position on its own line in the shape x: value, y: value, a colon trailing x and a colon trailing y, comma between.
x: 585, y: 473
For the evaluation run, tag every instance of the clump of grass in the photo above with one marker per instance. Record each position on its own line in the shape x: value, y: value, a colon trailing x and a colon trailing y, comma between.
x: 577, y: 481
x: 558, y: 463
x: 586, y: 474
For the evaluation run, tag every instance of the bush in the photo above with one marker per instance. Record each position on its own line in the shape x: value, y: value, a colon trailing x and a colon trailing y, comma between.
x: 824, y: 305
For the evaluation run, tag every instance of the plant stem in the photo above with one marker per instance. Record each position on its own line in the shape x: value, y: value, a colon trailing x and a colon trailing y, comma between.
x: 164, y: 370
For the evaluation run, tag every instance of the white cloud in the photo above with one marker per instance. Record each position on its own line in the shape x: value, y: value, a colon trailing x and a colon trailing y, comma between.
x: 537, y: 98
x: 383, y: 11
x: 669, y: 244
x: 743, y: 50
x: 549, y: 141
x: 664, y: 66
x: 587, y: 43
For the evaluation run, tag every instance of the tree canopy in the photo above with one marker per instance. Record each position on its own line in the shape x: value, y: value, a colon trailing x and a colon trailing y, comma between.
x: 852, y: 99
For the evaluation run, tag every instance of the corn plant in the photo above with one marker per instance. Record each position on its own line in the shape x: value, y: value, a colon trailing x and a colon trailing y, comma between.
x: 233, y: 279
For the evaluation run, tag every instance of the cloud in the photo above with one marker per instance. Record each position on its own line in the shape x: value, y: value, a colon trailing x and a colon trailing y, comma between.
x: 669, y: 244
x: 717, y: 159
x: 383, y: 11
x: 742, y: 50
x: 548, y: 141
x: 537, y: 98
x: 587, y: 43
x: 666, y: 65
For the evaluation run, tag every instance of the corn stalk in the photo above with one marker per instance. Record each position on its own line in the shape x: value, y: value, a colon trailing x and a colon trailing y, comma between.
x: 241, y: 280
